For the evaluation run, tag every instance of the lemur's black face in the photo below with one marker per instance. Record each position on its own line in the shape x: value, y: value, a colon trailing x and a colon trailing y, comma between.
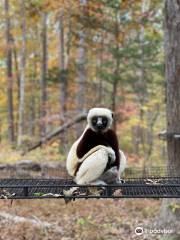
x: 99, y: 123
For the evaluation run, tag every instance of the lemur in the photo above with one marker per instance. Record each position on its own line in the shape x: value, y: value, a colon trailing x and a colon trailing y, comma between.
x: 95, y: 157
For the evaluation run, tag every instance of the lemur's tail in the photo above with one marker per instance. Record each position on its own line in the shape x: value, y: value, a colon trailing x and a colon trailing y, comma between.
x: 123, y: 162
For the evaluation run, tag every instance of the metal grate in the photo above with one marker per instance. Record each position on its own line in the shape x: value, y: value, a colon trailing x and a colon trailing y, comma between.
x: 154, y: 187
x: 154, y: 182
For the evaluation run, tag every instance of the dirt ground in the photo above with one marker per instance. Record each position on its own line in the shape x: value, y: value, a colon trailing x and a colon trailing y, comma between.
x: 83, y: 219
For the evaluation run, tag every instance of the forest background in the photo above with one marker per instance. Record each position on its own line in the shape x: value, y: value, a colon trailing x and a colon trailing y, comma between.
x: 58, y: 59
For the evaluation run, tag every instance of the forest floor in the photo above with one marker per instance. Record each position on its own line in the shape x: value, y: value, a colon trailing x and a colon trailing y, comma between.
x: 81, y: 219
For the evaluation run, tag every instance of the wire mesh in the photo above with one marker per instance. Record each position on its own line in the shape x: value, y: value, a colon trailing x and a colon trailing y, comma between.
x: 154, y: 182
x: 55, y: 188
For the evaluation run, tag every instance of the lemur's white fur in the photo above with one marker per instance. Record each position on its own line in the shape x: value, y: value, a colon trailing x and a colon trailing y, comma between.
x: 72, y: 159
x: 93, y: 166
x: 123, y: 162
x: 94, y: 162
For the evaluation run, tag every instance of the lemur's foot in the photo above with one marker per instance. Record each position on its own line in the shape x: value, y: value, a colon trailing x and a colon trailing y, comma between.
x: 69, y: 195
x: 119, y: 181
x: 98, y: 182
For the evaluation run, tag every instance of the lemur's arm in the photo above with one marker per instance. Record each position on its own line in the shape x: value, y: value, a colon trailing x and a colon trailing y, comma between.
x: 78, y: 151
x: 113, y: 143
x: 85, y: 143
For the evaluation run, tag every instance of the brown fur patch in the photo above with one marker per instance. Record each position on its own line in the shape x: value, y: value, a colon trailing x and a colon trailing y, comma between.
x: 92, y: 139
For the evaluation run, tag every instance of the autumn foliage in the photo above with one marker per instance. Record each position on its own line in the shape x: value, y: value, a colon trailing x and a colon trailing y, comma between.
x: 60, y: 58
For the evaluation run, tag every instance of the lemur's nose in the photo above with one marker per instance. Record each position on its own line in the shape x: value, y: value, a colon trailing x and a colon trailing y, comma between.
x: 99, y: 122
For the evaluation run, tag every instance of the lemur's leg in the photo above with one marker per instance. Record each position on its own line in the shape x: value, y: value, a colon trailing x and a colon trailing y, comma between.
x: 93, y: 167
x: 98, y: 182
x: 110, y: 176
x: 113, y: 175
x: 123, y: 162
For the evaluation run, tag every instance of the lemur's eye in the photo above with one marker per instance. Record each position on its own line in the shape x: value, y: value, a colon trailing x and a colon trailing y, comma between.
x: 104, y: 120
x: 94, y: 120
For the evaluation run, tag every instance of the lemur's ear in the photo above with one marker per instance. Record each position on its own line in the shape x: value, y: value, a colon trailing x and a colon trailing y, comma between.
x: 112, y: 114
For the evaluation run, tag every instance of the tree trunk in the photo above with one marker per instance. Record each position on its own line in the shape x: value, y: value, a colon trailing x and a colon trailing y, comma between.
x: 141, y: 84
x: 116, y: 70
x: 114, y: 96
x: 81, y: 73
x: 16, y: 69
x: 22, y: 75
x: 32, y: 103
x: 81, y: 83
x: 9, y: 74
x: 44, y: 75
x: 172, y: 50
x: 168, y: 217
x: 16, y: 66
x: 100, y: 88
x: 63, y: 80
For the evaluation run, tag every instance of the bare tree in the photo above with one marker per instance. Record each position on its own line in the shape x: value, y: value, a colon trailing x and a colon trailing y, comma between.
x: 81, y: 60
x: 116, y: 70
x: 63, y: 85
x: 32, y: 103
x: 101, y: 60
x: 22, y: 73
x: 44, y: 74
x: 63, y: 78
x: 9, y: 73
x: 17, y: 81
x: 16, y: 67
x: 171, y: 216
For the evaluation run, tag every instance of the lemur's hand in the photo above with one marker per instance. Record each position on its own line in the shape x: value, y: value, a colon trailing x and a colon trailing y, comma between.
x: 111, y: 155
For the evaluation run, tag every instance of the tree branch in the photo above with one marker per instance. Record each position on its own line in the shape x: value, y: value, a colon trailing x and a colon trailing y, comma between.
x: 59, y: 130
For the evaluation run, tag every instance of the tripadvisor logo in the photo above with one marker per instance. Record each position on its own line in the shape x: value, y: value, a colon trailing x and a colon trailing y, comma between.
x: 139, y: 231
